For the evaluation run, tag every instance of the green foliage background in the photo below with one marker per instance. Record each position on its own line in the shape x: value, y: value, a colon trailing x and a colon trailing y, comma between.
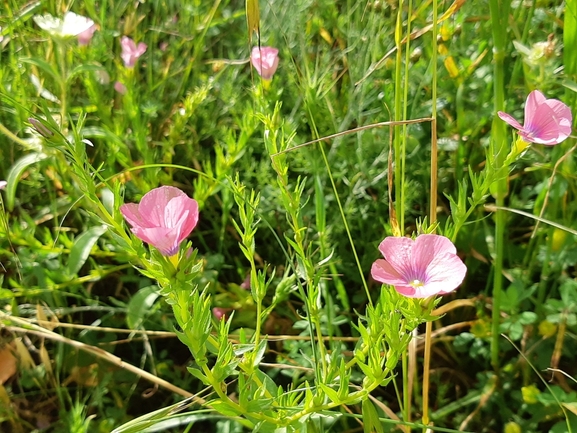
x: 192, y: 117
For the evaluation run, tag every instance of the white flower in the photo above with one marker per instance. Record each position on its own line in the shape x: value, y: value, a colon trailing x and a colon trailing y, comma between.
x: 71, y: 25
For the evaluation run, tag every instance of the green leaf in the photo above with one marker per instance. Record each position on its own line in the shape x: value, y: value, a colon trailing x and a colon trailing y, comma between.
x: 140, y: 304
x: 224, y: 408
x: 371, y: 422
x: 259, y: 405
x: 139, y: 424
x: 6, y: 294
x: 45, y: 66
x: 331, y: 393
x: 80, y: 251
x: 528, y: 318
x: 198, y: 374
x: 252, y: 18
x: 15, y: 173
x: 81, y: 69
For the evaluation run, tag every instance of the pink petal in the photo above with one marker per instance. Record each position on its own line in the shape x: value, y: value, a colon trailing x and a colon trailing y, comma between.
x: 398, y: 253
x: 535, y: 100
x: 127, y: 44
x: 383, y: 272
x: 85, y: 37
x: 140, y: 49
x: 163, y: 239
x: 265, y: 61
x: 181, y: 211
x: 444, y: 274
x: 132, y: 215
x: 563, y: 117
x: 546, y: 127
x: 154, y: 203
x: 408, y: 291
x: 509, y: 119
x: 120, y: 88
x: 427, y: 247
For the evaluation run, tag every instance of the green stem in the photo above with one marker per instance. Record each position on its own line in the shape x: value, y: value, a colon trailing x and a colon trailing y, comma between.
x: 499, y: 16
x: 406, y: 393
x: 63, y: 89
x: 397, y: 143
x: 432, y: 209
x: 498, y: 282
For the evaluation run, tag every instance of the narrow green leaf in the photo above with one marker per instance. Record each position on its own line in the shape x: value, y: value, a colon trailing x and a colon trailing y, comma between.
x: 252, y: 18
x: 80, y: 251
x: 140, y: 304
x: 371, y: 422
x: 139, y: 424
x: 331, y: 393
x: 45, y: 66
x: 198, y: 374
x: 15, y: 173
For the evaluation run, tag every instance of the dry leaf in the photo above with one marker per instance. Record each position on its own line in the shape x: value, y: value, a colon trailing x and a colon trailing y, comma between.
x: 7, y: 363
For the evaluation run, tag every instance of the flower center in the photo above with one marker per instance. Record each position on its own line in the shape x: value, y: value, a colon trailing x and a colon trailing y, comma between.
x: 416, y: 283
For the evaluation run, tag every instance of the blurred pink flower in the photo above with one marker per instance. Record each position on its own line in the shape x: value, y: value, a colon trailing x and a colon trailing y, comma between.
x: 547, y: 121
x: 246, y: 283
x: 3, y: 184
x: 120, y: 88
x: 419, y: 268
x: 220, y: 313
x: 265, y: 61
x: 163, y: 219
x: 130, y: 51
x: 85, y: 37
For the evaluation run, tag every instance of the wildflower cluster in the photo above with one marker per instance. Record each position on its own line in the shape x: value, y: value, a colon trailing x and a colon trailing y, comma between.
x: 83, y: 28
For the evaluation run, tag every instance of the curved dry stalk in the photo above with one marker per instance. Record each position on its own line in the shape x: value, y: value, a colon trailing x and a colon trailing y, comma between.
x: 27, y: 327
x: 351, y: 131
x: 454, y: 304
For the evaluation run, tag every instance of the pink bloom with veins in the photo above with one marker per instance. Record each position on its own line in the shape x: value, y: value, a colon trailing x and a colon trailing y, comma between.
x: 547, y: 121
x: 164, y: 218
x: 265, y: 61
x: 130, y: 51
x: 426, y: 266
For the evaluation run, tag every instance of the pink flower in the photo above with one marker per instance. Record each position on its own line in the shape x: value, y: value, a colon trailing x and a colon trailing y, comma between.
x: 246, y: 283
x: 85, y: 37
x: 130, y: 51
x: 220, y: 313
x: 163, y: 219
x: 120, y: 88
x: 3, y: 184
x: 547, y: 121
x: 419, y: 268
x: 265, y: 61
